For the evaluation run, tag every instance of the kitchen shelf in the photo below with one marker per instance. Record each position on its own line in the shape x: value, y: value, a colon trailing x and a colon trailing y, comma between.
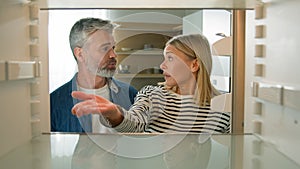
x: 141, y: 52
x: 171, y: 29
x: 134, y: 36
x: 139, y: 80
x: 132, y: 75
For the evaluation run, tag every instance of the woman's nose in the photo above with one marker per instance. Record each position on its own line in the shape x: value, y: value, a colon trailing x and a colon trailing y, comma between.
x: 162, y: 65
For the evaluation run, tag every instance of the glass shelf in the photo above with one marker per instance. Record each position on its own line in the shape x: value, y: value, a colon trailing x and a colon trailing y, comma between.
x: 163, y: 151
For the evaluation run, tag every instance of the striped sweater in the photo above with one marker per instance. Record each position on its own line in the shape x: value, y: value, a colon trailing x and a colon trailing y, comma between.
x: 157, y: 110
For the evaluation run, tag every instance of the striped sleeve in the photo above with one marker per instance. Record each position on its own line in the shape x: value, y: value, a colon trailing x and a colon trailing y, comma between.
x: 136, y: 119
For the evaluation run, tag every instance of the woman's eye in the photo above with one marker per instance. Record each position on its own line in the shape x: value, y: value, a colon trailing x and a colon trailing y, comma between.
x: 170, y: 58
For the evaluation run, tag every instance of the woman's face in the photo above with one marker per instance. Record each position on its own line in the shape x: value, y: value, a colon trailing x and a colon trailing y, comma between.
x: 178, y: 68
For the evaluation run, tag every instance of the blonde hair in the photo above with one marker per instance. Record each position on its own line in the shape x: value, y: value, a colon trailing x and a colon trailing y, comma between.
x: 196, y: 46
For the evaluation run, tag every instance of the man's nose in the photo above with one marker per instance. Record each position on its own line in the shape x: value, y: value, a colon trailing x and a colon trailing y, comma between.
x: 112, y: 54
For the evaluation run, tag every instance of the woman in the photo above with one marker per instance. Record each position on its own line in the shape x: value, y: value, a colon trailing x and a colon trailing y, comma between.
x: 180, y: 104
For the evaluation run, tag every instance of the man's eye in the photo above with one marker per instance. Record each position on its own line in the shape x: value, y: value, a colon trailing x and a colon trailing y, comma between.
x: 108, y: 48
x: 105, y: 49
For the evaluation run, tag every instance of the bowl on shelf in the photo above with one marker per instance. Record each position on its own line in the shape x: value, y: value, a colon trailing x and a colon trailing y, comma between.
x: 154, y: 70
x: 148, y: 46
x: 146, y: 71
x: 157, y: 70
x: 124, y: 68
x: 126, y: 49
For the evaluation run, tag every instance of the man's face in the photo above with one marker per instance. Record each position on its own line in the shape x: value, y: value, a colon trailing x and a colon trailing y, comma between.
x: 99, y: 55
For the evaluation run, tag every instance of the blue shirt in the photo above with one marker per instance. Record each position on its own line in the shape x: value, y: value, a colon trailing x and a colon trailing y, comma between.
x: 61, y: 103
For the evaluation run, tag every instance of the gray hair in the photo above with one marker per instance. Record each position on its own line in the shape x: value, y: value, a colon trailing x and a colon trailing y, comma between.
x: 84, y: 28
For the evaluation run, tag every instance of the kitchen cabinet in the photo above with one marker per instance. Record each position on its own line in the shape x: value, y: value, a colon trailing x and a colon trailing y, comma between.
x: 144, y: 67
x: 140, y: 45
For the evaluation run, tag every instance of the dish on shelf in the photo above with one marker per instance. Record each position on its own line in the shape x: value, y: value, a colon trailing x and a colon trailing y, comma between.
x: 126, y: 49
x: 124, y: 72
x: 124, y: 68
x: 151, y: 71
x: 148, y: 47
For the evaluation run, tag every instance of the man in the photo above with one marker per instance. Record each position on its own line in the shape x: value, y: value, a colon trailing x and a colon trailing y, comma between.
x: 92, y: 44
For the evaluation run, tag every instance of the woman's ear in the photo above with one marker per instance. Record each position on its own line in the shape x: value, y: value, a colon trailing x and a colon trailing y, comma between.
x: 78, y: 53
x: 195, y: 65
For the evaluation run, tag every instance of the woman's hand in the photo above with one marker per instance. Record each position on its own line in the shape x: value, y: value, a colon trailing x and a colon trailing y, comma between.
x: 93, y: 104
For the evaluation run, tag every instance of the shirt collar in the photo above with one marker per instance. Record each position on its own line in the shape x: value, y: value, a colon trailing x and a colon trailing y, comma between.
x: 112, y: 85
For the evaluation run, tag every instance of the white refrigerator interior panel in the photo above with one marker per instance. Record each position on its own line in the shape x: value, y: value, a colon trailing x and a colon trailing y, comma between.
x: 20, y: 70
x: 278, y: 88
x: 291, y: 98
x: 268, y: 92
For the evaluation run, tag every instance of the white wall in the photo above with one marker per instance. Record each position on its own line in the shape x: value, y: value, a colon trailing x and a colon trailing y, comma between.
x: 193, y: 23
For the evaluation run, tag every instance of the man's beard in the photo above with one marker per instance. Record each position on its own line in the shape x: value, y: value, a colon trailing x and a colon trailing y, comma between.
x: 104, y: 72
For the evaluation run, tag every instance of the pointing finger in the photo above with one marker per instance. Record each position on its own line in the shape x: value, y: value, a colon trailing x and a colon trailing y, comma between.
x: 81, y: 95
